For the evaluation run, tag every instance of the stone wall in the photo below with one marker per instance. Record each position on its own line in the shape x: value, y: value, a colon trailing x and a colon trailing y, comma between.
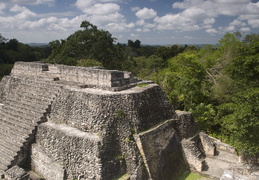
x: 28, y: 68
x: 63, y: 152
x: 115, y: 116
x: 161, y: 151
x: 90, y: 76
x: 185, y: 125
x: 91, y: 110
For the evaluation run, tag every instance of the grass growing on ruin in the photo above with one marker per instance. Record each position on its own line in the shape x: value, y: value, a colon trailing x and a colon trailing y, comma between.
x: 192, y: 176
x: 123, y: 177
x: 142, y: 85
x: 120, y: 114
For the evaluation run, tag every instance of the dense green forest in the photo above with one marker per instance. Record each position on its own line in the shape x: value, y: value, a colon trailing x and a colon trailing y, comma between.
x: 218, y: 84
x: 12, y: 50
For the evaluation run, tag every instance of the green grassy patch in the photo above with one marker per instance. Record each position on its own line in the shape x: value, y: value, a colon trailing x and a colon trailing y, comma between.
x: 192, y: 176
x: 142, y: 85
x: 123, y: 177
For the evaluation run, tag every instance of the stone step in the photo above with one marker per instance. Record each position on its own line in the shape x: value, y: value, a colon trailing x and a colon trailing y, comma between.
x: 16, y: 172
x: 35, y: 98
x: 10, y: 126
x: 227, y: 157
x: 37, y: 82
x: 13, y: 138
x: 28, y: 102
x: 44, y: 87
x: 44, y: 92
x: 36, y: 105
x: 3, y: 165
x: 19, y: 119
x: 2, y: 168
x: 5, y: 161
x: 8, y: 148
x: 215, y: 166
x: 14, y: 129
x: 21, y: 107
x: 7, y: 155
x: 22, y: 112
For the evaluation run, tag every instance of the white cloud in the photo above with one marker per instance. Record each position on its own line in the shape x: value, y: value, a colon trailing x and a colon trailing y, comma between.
x: 245, y: 29
x: 176, y: 22
x: 119, y: 27
x: 146, y: 13
x: 101, y: 20
x: 134, y: 35
x: 207, y: 11
x: 229, y: 28
x: 194, y: 13
x: 105, y: 14
x: 134, y: 9
x: 146, y: 30
x: 188, y: 37
x: 82, y: 4
x: 140, y: 22
x: 214, y: 8
x: 30, y: 2
x: 97, y: 7
x: 17, y: 18
x: 254, y: 23
x: 17, y: 8
x: 110, y: 1
x: 209, y: 21
x: 2, y: 7
x: 102, y: 9
x: 237, y: 22
x: 212, y: 31
x: 139, y: 30
x: 23, y: 12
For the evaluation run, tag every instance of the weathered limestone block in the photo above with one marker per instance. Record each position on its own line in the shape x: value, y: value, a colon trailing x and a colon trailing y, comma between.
x: 16, y: 173
x: 45, y: 165
x: 193, y: 154
x: 90, y: 110
x: 76, y: 152
x: 185, y: 125
x: 223, y: 146
x: 207, y: 144
x: 161, y: 152
x: 242, y: 172
x: 28, y: 68
x: 7, y: 85
x: 91, y: 76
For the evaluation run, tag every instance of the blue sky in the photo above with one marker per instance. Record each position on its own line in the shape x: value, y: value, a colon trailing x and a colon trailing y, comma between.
x: 150, y: 21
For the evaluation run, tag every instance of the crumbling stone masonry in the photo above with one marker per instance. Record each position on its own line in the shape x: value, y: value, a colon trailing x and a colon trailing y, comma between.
x: 65, y: 123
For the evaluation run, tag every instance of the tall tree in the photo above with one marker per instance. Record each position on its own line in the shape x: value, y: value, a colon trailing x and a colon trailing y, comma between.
x: 88, y: 43
x: 2, y: 39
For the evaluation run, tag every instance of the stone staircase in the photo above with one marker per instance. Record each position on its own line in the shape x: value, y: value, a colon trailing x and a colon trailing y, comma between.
x: 217, y: 164
x: 208, y: 156
x: 23, y: 109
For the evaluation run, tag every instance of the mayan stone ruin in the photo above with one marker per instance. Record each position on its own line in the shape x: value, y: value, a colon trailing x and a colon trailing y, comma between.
x: 60, y: 122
